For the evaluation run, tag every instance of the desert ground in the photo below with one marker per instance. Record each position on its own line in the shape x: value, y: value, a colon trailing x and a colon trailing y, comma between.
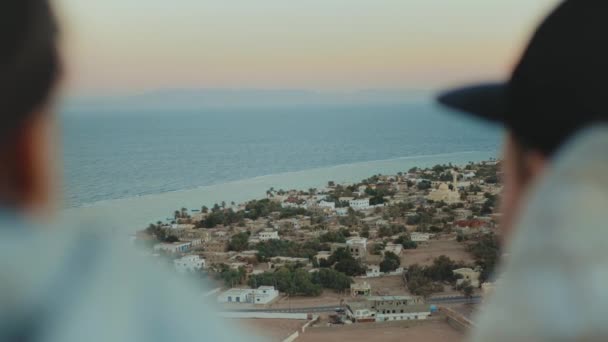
x: 385, y: 286
x: 270, y: 329
x: 327, y: 298
x: 425, y: 253
x: 428, y: 331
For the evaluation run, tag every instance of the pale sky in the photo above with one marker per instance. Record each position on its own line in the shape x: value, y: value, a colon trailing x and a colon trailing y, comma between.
x: 138, y: 45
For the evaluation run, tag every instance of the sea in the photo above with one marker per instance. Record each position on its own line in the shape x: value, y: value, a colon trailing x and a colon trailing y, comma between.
x: 138, y: 166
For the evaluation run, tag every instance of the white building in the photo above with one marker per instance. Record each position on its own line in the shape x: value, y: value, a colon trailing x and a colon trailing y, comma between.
x: 342, y: 211
x: 373, y: 271
x: 322, y: 255
x: 357, y: 247
x: 388, y: 308
x: 421, y: 237
x: 182, y: 226
x: 396, y: 248
x: 328, y: 205
x: 359, y: 204
x: 261, y: 295
x: 189, y: 263
x: 469, y: 175
x: 176, y: 247
x: 268, y: 235
x: 467, y: 274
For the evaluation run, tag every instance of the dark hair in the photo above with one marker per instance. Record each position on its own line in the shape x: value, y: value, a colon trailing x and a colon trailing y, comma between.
x: 29, y: 60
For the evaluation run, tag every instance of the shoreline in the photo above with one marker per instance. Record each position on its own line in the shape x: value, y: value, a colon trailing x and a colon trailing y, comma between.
x: 134, y: 213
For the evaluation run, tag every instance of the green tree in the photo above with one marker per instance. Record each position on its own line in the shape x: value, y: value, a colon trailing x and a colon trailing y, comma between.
x: 351, y: 267
x: 331, y: 279
x: 239, y: 242
x: 406, y: 241
x: 466, y: 289
x: 424, y: 185
x: 486, y: 252
x: 390, y: 263
x: 230, y: 276
x: 365, y: 232
x: 333, y: 236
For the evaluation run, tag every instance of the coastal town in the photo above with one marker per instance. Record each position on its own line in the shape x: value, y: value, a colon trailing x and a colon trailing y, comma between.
x: 415, y: 249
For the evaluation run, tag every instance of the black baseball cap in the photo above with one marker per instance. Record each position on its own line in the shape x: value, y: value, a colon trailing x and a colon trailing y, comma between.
x: 29, y: 61
x: 559, y: 86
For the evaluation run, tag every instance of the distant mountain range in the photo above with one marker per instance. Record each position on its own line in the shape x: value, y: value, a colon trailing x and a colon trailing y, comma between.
x: 243, y: 98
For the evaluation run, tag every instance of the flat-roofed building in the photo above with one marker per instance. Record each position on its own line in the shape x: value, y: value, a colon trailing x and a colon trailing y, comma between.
x: 389, y: 308
x: 174, y: 248
x: 360, y: 289
x: 189, y: 263
x: 262, y: 295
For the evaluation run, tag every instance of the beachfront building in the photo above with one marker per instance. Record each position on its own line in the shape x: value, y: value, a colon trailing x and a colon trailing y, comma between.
x: 189, y: 263
x: 359, y: 204
x: 262, y: 295
x: 173, y: 248
x: 388, y: 308
x: 182, y: 226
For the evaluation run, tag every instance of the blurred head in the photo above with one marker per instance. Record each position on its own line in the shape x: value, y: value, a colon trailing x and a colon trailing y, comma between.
x: 521, y: 166
x: 556, y: 90
x: 29, y: 71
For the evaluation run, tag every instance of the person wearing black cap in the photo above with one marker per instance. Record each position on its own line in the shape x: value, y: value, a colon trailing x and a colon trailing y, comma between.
x: 70, y: 284
x: 555, y: 202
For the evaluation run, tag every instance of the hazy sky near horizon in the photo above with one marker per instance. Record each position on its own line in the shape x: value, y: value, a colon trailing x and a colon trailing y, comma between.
x: 116, y: 46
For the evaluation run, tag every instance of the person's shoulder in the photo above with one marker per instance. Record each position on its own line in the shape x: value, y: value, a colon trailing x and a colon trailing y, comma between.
x: 89, y: 284
x: 551, y: 284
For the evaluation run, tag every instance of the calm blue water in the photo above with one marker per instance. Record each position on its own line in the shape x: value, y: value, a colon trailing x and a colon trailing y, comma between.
x: 112, y: 155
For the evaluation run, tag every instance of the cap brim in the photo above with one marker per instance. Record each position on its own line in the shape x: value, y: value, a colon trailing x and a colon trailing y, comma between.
x: 487, y: 101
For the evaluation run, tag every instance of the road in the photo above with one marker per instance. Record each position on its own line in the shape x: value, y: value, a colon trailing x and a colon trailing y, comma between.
x: 332, y: 308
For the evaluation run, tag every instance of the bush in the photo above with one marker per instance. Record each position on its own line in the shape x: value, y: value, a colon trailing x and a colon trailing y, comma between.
x: 406, y: 241
x: 300, y: 282
x: 390, y: 263
x: 239, y: 242
x: 486, y: 252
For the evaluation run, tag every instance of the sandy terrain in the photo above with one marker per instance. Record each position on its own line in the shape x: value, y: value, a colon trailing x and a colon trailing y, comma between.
x: 385, y: 286
x: 468, y: 310
x: 271, y: 329
x: 428, y: 331
x: 424, y: 254
x: 327, y: 298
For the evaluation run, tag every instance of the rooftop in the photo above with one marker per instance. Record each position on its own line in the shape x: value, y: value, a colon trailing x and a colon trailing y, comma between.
x: 390, y: 298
